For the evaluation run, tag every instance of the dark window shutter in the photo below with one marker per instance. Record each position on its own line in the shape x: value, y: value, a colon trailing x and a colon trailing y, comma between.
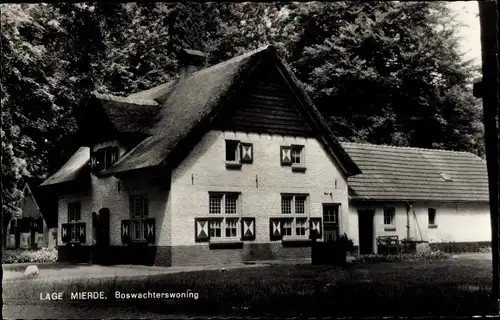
x: 286, y: 155
x: 201, y: 230
x: 81, y: 232
x: 40, y: 225
x: 246, y: 152
x: 248, y: 229
x: 131, y: 206
x: 92, y: 161
x: 275, y: 226
x: 126, y: 231
x: 94, y: 220
x: 64, y: 232
x: 114, y: 155
x: 150, y: 230
x: 315, y: 228
x: 145, y: 206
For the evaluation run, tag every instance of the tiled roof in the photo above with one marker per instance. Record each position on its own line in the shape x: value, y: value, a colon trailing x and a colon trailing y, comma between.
x: 187, y: 103
x: 72, y: 169
x: 414, y: 174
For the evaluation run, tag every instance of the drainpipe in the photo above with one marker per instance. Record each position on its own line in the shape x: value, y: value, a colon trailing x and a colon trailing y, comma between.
x: 408, y: 208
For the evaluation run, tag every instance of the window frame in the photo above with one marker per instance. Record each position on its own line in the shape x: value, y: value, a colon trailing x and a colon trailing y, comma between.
x: 74, y: 218
x: 293, y: 216
x: 431, y: 212
x: 138, y: 219
x: 223, y: 217
x: 392, y: 225
x: 300, y: 149
x: 237, y: 155
x: 106, y: 155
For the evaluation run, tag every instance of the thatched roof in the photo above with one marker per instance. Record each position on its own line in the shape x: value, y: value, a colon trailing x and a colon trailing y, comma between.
x: 129, y: 115
x: 76, y: 166
x: 188, y: 103
x: 414, y: 174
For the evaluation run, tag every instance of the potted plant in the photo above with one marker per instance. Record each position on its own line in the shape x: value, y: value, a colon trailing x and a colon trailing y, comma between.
x: 340, y: 248
x: 332, y: 252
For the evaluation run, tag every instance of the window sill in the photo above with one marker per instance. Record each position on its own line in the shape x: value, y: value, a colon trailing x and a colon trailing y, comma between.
x: 298, y: 168
x: 225, y: 243
x: 389, y: 228
x: 138, y: 241
x: 233, y: 165
x: 433, y: 226
x: 296, y: 241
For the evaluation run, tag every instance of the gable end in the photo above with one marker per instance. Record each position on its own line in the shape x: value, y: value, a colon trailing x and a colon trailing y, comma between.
x: 268, y: 108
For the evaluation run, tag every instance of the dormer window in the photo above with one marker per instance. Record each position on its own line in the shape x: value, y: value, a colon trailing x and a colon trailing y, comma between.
x: 103, y: 158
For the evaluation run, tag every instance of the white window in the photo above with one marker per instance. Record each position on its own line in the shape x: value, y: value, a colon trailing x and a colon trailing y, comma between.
x: 226, y: 206
x: 287, y: 227
x: 300, y: 226
x: 138, y: 215
x: 389, y: 217
x: 74, y: 217
x: 297, y: 154
x: 295, y: 207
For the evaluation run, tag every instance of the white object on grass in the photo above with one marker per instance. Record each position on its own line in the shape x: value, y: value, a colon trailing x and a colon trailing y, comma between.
x: 31, y: 271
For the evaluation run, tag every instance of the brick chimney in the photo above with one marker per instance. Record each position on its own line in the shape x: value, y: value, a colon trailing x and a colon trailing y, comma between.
x: 191, y: 61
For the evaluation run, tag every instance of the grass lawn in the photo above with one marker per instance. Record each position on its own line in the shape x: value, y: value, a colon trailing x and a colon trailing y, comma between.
x: 447, y: 287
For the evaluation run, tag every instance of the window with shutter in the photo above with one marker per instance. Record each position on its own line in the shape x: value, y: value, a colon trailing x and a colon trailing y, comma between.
x: 65, y: 232
x: 201, y: 230
x: 140, y: 228
x: 285, y: 155
x: 74, y: 219
x: 275, y: 231
x: 248, y: 229
x: 315, y: 228
x: 103, y: 158
x: 294, y: 212
x: 246, y: 152
x: 125, y: 231
x: 81, y: 232
x: 225, y: 206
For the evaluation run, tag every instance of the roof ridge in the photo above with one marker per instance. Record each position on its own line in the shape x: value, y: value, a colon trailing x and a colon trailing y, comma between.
x: 178, y: 79
x: 260, y: 49
x: 410, y: 148
x: 111, y: 97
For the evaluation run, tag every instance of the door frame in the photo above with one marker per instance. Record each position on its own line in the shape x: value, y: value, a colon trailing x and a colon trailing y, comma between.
x: 339, y: 219
x: 374, y: 240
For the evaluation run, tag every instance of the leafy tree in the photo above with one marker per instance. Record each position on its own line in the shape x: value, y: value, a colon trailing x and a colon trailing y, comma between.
x: 390, y: 72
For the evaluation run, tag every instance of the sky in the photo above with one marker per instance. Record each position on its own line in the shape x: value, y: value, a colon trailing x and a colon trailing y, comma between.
x: 467, y: 13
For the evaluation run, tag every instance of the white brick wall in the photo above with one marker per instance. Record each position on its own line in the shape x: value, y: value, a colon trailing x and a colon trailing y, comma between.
x: 204, y: 170
x: 467, y: 222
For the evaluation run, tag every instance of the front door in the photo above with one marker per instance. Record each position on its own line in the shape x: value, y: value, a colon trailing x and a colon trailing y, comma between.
x: 100, y: 232
x: 330, y: 222
x: 365, y: 227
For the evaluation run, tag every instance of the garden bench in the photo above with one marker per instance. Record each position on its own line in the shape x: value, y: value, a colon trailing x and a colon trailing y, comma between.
x: 388, y: 244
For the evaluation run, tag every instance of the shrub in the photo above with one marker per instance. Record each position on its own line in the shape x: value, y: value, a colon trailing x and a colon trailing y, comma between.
x: 457, y: 247
x: 421, y: 256
x: 38, y: 256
